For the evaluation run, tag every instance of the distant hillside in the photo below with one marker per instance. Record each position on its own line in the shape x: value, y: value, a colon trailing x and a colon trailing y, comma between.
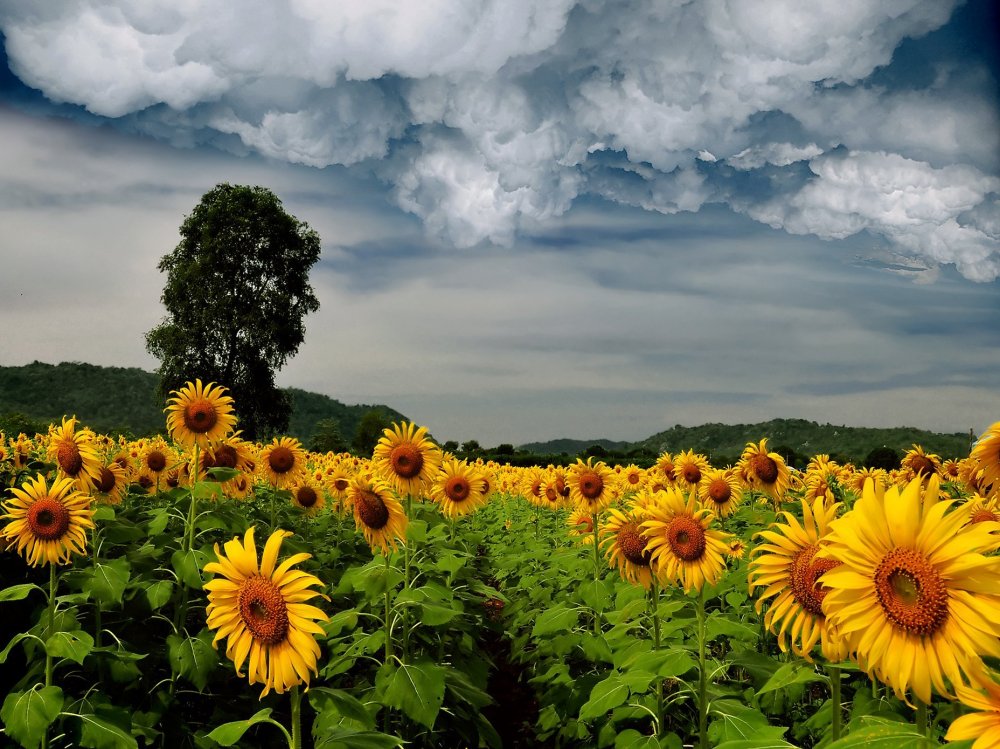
x: 116, y: 398
x: 573, y: 447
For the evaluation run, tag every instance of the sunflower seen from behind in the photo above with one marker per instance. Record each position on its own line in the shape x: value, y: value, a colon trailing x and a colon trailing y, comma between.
x: 916, y: 597
x: 262, y: 612
x: 48, y: 524
x: 407, y: 458
x: 200, y: 414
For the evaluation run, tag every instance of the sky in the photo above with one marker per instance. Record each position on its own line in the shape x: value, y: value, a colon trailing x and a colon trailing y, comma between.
x: 539, y: 218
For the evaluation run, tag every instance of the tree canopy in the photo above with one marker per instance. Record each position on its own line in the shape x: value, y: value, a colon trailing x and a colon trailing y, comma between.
x: 236, y: 296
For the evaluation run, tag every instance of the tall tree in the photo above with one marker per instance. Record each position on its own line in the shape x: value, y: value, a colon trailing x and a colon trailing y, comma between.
x: 236, y: 294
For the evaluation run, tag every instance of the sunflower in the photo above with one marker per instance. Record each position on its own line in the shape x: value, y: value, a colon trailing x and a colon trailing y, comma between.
x: 950, y: 470
x: 632, y: 478
x: 665, y: 465
x: 337, y: 483
x: 74, y: 454
x: 111, y: 484
x: 684, y: 549
x: 458, y: 488
x: 262, y: 612
x: 283, y: 462
x: 377, y: 512
x: 985, y: 457
x: 200, y: 414
x: 233, y: 452
x: 590, y: 485
x: 737, y: 549
x: 238, y: 487
x: 689, y: 468
x: 913, y: 596
x: 984, y: 725
x: 407, y: 458
x: 626, y: 546
x: 531, y: 482
x: 48, y: 525
x: 920, y: 463
x: 308, y: 497
x: 156, y: 458
x: 765, y: 471
x: 788, y: 569
x: 581, y: 525
x: 720, y: 492
x: 550, y: 491
x: 982, y: 510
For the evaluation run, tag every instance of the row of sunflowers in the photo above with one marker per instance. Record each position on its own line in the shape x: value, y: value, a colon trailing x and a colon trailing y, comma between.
x: 886, y: 576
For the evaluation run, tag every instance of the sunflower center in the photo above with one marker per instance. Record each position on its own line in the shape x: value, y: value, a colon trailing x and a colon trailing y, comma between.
x: 922, y: 464
x: 226, y: 456
x: 341, y: 485
x: 144, y: 481
x: 69, y: 458
x: 536, y: 488
x: 633, y: 478
x: 306, y: 496
x: 633, y: 545
x: 106, y: 481
x: 982, y: 515
x: 561, y: 487
x: 173, y: 479
x: 691, y: 473
x: 719, y: 491
x: 765, y: 467
x: 200, y: 416
x: 372, y: 510
x: 281, y: 459
x: 591, y: 485
x: 686, y: 538
x: 585, y: 525
x: 804, y: 572
x: 406, y: 461
x: 48, y: 519
x: 457, y: 489
x: 156, y: 460
x: 911, y: 592
x: 263, y: 610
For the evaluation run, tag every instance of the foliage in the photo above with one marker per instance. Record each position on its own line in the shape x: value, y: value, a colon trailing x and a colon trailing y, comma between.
x: 236, y: 295
x: 326, y: 437
x: 369, y: 430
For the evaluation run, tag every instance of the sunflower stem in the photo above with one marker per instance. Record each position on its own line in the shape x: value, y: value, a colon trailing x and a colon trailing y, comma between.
x: 702, y: 675
x: 835, y: 701
x: 654, y: 606
x: 48, y: 634
x: 921, y: 717
x: 597, y: 573
x: 388, y: 628
x: 296, y: 738
x: 193, y: 509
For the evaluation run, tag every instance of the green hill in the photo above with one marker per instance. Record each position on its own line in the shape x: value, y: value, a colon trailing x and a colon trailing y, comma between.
x: 573, y: 447
x: 125, y: 399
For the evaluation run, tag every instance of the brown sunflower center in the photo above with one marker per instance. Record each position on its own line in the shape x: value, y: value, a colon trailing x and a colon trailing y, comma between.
x: 69, y: 458
x: 173, y: 479
x: 633, y: 478
x: 48, y: 519
x: 922, y: 464
x: 372, y: 510
x: 804, y: 574
x: 144, y: 481
x: 719, y: 491
x: 911, y: 592
x: 200, y: 416
x: 226, y: 456
x: 686, y: 538
x: 982, y: 515
x: 406, y: 461
x: 106, y: 481
x: 591, y: 485
x: 536, y: 488
x: 263, y: 610
x: 551, y: 494
x: 633, y: 545
x: 341, y: 484
x: 585, y: 525
x: 156, y: 460
x: 561, y: 487
x: 765, y: 468
x: 668, y: 469
x: 691, y: 473
x: 281, y: 459
x: 306, y: 496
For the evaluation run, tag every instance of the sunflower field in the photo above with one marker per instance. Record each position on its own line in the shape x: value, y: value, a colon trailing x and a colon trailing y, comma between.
x: 204, y: 591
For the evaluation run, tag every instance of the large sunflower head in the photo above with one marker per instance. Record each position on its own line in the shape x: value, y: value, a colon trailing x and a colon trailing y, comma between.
x: 48, y: 524
x: 531, y: 482
x: 233, y: 452
x: 632, y: 478
x: 984, y: 470
x: 626, y: 546
x: 787, y: 567
x: 263, y: 613
x: 916, y: 596
x: 665, y: 466
x: 590, y: 485
x: 199, y: 414
x: 308, y: 496
x: 917, y: 462
x: 111, y: 484
x: 157, y: 457
x: 720, y: 492
x: 377, y: 512
x: 458, y: 488
x: 74, y: 453
x: 283, y: 462
x: 765, y: 471
x: 407, y: 458
x: 689, y: 469
x: 685, y: 548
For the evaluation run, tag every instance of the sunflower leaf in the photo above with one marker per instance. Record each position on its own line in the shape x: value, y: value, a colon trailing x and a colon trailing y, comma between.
x: 222, y: 475
x: 882, y: 733
x: 350, y: 739
x: 188, y: 565
x: 98, y: 733
x: 193, y: 657
x: 229, y: 733
x: 27, y: 715
x: 106, y: 581
x: 158, y: 593
x: 332, y: 705
x: 73, y: 645
x: 789, y: 674
x: 418, y: 690
x: 558, y: 618
x: 606, y: 695
x: 18, y: 592
x: 738, y: 722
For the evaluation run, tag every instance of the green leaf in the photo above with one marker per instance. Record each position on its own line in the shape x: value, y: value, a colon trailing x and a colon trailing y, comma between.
x: 343, y: 703
x: 434, y: 615
x: 74, y: 645
x: 13, y: 641
x: 632, y: 739
x: 97, y: 733
x: 718, y: 625
x: 207, y: 490
x: 738, y: 722
x: 789, y: 674
x: 158, y: 523
x: 882, y: 733
x: 229, y: 733
x: 104, y: 512
x: 418, y: 690
x: 756, y: 744
x: 222, y: 475
x: 193, y: 657
x: 18, y: 592
x: 558, y: 618
x: 188, y: 565
x: 606, y: 695
x: 158, y: 593
x: 27, y: 715
x: 347, y: 738
x: 107, y: 580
